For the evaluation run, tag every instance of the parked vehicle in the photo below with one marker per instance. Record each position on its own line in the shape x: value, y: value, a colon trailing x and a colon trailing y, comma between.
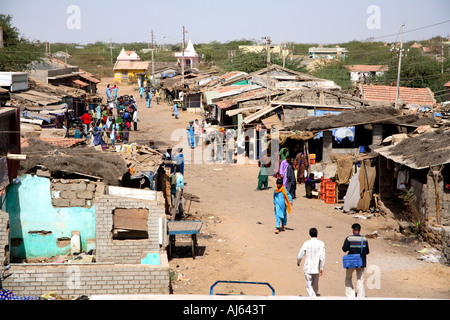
x: 8, y: 294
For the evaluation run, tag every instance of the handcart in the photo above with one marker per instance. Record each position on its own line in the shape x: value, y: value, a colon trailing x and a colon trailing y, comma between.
x: 183, y: 228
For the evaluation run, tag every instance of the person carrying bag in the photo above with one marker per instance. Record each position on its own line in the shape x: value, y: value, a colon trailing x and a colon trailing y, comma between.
x: 358, y: 248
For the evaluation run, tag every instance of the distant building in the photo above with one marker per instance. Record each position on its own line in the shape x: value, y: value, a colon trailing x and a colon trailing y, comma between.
x: 56, y: 72
x: 191, y: 58
x: 358, y: 73
x: 273, y: 49
x: 328, y: 53
x: 447, y: 91
x: 128, y: 66
x: 382, y: 95
x: 61, y: 55
x: 128, y: 56
x: 127, y: 71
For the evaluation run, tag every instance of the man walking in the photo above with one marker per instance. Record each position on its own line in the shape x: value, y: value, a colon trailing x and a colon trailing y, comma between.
x: 314, y: 250
x: 356, y: 244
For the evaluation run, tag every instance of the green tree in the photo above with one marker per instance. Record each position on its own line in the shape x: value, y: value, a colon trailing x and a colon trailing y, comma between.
x: 18, y: 52
x: 253, y: 61
x: 336, y: 71
x: 418, y: 71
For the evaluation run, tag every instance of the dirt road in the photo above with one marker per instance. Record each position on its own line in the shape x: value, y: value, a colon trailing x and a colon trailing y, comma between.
x: 237, y: 240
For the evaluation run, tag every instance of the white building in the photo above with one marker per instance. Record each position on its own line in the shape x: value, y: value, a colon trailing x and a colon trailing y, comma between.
x: 191, y: 59
x: 358, y: 73
x: 128, y: 56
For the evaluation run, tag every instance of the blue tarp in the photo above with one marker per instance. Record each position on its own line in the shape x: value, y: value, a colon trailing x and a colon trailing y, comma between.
x: 319, y: 135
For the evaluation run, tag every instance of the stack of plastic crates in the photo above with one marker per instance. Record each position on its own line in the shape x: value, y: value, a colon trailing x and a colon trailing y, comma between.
x: 328, y: 191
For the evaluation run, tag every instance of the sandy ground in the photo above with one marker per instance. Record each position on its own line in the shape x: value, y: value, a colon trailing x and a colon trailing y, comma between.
x: 237, y: 240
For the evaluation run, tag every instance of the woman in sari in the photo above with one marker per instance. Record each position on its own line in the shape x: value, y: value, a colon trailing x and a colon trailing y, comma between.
x: 282, y: 201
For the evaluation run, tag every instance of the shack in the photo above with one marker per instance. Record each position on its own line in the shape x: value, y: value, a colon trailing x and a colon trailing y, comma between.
x: 418, y: 163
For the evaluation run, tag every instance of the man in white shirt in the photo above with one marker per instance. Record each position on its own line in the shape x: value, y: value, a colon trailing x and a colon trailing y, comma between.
x: 314, y: 250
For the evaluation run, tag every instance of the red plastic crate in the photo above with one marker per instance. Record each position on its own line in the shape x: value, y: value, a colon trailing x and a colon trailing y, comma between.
x: 331, y: 193
x: 330, y: 200
x: 330, y: 185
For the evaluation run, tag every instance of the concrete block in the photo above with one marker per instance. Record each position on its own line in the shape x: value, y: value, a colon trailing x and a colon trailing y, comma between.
x: 79, y: 187
x: 60, y: 203
x: 85, y: 195
x: 77, y: 202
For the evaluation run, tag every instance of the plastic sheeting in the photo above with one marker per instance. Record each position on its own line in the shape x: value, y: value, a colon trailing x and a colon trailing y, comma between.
x: 352, y: 196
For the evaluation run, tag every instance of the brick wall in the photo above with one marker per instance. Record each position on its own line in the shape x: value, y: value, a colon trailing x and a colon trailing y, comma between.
x: 89, y: 279
x: 4, y: 237
x: 74, y: 193
x: 126, y: 251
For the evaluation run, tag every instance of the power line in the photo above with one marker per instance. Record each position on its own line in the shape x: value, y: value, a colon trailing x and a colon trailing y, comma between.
x: 412, y: 30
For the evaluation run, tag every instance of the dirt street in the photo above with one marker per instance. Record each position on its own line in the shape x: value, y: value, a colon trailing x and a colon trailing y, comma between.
x: 237, y: 240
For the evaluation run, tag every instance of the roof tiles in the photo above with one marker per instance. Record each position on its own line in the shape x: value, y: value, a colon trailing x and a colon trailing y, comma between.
x: 420, y: 96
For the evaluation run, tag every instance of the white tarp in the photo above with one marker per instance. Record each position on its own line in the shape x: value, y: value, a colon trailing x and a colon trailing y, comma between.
x: 353, y: 194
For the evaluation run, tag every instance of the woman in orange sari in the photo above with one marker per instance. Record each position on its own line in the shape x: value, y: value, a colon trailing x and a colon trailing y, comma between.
x: 282, y: 201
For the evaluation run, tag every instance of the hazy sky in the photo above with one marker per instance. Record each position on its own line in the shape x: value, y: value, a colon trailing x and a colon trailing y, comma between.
x: 325, y: 21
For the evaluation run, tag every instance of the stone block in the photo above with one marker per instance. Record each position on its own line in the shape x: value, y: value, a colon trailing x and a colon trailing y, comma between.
x: 85, y: 195
x: 61, y: 203
x: 77, y: 202
x: 78, y: 187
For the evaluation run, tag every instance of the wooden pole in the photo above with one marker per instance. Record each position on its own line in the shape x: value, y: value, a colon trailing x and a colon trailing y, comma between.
x: 399, y: 68
x: 436, y: 189
x: 182, y: 59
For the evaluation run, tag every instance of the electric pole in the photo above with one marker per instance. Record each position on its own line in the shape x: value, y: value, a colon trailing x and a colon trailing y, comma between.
x: 442, y: 49
x: 110, y: 49
x: 153, y: 61
x: 182, y: 59
x: 284, y: 50
x: 399, y: 68
x: 1, y: 37
x: 268, y: 42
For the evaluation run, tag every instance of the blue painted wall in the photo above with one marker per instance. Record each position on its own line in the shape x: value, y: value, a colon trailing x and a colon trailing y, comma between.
x: 30, y: 209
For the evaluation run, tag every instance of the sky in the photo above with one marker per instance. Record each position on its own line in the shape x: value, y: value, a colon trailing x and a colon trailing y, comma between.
x: 324, y: 22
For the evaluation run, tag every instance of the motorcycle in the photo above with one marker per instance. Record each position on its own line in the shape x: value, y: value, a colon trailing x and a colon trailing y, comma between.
x: 8, y: 294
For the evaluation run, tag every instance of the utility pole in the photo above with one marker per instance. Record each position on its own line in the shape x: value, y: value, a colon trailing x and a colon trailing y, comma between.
x: 182, y: 59
x: 399, y: 68
x: 110, y: 48
x: 153, y: 62
x: 268, y: 42
x: 442, y: 49
x: 1, y: 37
x: 284, y: 50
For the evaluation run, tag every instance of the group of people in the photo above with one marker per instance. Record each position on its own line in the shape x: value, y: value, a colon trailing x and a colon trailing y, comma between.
x: 109, y: 123
x: 147, y: 93
x: 313, y: 253
x: 290, y: 173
